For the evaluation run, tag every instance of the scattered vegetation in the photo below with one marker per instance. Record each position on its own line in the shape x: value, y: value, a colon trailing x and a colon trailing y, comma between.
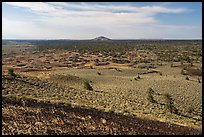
x: 151, y: 90
x: 170, y: 104
x: 183, y: 72
x: 194, y: 71
x: 98, y: 73
x: 117, y: 69
x: 190, y: 109
x: 187, y: 78
x: 11, y: 72
x: 87, y: 86
x: 150, y: 96
x: 199, y: 80
x: 160, y: 73
x: 138, y: 56
x: 192, y: 64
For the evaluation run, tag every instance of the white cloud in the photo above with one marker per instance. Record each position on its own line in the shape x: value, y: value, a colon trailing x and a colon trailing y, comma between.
x: 83, y: 20
x: 52, y: 7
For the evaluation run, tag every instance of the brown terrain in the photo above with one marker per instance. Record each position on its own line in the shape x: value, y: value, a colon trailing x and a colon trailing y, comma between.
x: 137, y: 92
x: 38, y: 118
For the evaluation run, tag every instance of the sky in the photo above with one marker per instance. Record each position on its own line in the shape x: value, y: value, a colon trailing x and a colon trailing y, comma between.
x: 115, y: 20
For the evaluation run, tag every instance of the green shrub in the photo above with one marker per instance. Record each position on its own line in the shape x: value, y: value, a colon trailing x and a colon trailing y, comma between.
x: 160, y: 73
x: 117, y: 69
x: 187, y: 78
x: 11, y: 72
x: 199, y: 80
x: 150, y: 96
x: 87, y: 86
x: 167, y: 96
x: 192, y: 64
x: 98, y: 73
x: 188, y: 59
x: 183, y: 72
x: 190, y: 109
x: 170, y: 104
x: 150, y: 90
x: 138, y: 77
x: 172, y: 108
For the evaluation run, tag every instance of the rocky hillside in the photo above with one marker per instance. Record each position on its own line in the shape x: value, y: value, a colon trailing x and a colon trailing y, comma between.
x: 34, y: 106
x: 45, y: 118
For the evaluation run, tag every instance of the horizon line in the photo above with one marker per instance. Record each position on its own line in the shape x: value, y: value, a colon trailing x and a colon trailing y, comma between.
x: 106, y: 37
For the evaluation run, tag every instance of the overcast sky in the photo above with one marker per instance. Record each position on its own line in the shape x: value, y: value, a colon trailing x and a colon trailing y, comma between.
x: 86, y: 20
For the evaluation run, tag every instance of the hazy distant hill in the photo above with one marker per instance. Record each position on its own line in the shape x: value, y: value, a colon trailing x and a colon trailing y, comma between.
x: 16, y: 42
x: 101, y: 38
x: 7, y: 42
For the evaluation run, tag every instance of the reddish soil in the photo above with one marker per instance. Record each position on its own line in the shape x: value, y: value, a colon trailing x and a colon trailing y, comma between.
x: 55, y: 119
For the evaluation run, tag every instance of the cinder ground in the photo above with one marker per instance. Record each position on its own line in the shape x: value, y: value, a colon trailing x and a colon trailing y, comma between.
x: 116, y: 88
x: 24, y: 120
x: 120, y: 92
x: 128, y: 94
